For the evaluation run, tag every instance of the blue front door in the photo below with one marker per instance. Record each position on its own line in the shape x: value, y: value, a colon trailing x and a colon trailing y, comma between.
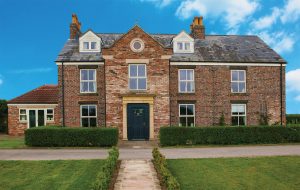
x: 138, y: 121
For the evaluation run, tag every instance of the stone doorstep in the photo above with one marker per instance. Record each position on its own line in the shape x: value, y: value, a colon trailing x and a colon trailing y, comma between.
x: 137, y: 174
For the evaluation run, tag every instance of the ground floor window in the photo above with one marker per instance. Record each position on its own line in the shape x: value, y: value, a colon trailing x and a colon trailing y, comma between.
x: 187, y: 115
x: 23, y: 115
x: 50, y: 115
x: 88, y: 115
x: 238, y: 114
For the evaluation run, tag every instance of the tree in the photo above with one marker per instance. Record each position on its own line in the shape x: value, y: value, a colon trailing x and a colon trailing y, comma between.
x: 3, y: 115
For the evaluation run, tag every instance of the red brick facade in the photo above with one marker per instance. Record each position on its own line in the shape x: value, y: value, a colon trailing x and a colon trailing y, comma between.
x: 116, y: 73
x: 17, y: 127
x: 265, y: 85
x: 213, y: 95
x: 73, y: 98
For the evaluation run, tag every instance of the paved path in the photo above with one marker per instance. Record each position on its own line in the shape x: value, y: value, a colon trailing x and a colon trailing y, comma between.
x: 141, y: 153
x: 136, y: 175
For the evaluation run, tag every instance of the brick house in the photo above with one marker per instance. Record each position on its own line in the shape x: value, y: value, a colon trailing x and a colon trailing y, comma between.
x: 139, y: 82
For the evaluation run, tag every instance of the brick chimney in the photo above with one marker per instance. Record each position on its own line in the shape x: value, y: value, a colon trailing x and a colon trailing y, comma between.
x: 75, y: 27
x: 197, y: 28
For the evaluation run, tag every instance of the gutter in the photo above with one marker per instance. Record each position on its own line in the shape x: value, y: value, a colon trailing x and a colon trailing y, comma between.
x: 281, y: 94
x: 63, y: 93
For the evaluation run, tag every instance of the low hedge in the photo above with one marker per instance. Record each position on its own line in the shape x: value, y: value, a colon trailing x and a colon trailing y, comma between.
x: 71, y: 137
x: 171, y: 136
x: 160, y: 164
x: 105, y: 175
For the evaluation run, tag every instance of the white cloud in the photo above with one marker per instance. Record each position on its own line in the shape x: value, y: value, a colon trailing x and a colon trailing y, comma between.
x: 291, y: 11
x: 267, y: 21
x: 231, y: 11
x: 293, y: 82
x: 159, y: 3
x: 29, y: 71
x: 281, y: 42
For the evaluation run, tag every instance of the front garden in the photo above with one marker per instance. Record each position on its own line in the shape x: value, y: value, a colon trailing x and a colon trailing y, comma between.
x: 59, y: 174
x: 276, y: 173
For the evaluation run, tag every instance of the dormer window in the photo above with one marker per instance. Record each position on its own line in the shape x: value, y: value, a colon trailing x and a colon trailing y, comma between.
x: 89, y: 42
x: 93, y: 45
x: 183, y: 43
x: 184, y: 46
x: 86, y: 45
x: 89, y: 45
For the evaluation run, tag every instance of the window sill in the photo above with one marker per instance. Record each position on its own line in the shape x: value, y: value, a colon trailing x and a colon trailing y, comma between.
x: 22, y: 121
x: 239, y: 94
x: 186, y: 93
x: 89, y: 94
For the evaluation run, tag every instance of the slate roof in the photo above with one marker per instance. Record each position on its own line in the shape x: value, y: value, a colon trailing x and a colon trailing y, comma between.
x: 46, y: 94
x: 214, y: 48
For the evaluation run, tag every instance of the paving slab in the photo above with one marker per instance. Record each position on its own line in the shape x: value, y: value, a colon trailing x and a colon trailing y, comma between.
x: 137, y: 174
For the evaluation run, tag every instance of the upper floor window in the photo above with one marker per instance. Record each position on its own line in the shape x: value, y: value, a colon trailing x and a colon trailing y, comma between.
x: 186, y: 81
x: 184, y: 46
x: 89, y: 45
x: 89, y: 42
x: 88, y: 115
x: 137, y: 77
x: 87, y: 80
x: 183, y: 43
x: 238, y: 81
x: 238, y: 114
x: 187, y: 115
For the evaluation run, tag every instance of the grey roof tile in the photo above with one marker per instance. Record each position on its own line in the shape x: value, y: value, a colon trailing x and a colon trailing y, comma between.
x: 214, y: 48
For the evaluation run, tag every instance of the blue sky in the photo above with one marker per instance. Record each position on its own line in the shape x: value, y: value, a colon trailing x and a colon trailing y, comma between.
x: 33, y: 32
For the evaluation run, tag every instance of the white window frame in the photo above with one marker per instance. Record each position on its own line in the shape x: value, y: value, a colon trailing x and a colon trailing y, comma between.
x: 238, y: 81
x: 240, y: 115
x: 183, y: 50
x: 26, y: 114
x: 36, y: 113
x: 50, y: 114
x: 95, y: 47
x: 137, y: 77
x: 186, y: 81
x: 88, y: 81
x: 81, y: 116
x: 186, y: 116
x: 88, y: 44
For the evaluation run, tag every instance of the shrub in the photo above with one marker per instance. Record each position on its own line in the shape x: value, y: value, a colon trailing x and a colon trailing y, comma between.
x: 170, y: 136
x: 104, y: 176
x: 160, y: 164
x: 293, y: 118
x: 72, y: 137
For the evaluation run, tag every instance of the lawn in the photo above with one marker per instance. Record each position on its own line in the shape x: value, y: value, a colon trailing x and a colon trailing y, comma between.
x: 58, y: 174
x: 11, y: 142
x: 237, y: 173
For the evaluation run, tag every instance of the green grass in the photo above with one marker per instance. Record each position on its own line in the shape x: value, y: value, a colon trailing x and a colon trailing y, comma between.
x: 11, y: 142
x: 276, y: 173
x: 58, y: 174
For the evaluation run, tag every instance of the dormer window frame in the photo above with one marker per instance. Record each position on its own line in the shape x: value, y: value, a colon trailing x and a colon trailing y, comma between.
x: 183, y: 43
x: 90, y: 42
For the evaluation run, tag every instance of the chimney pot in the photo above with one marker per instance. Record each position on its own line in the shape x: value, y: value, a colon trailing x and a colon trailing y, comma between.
x: 75, y: 27
x: 197, y: 28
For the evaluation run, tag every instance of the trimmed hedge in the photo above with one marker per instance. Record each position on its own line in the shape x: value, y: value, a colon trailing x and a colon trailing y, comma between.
x: 71, y: 137
x: 172, y: 136
x: 105, y: 175
x: 293, y: 119
x: 160, y: 164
